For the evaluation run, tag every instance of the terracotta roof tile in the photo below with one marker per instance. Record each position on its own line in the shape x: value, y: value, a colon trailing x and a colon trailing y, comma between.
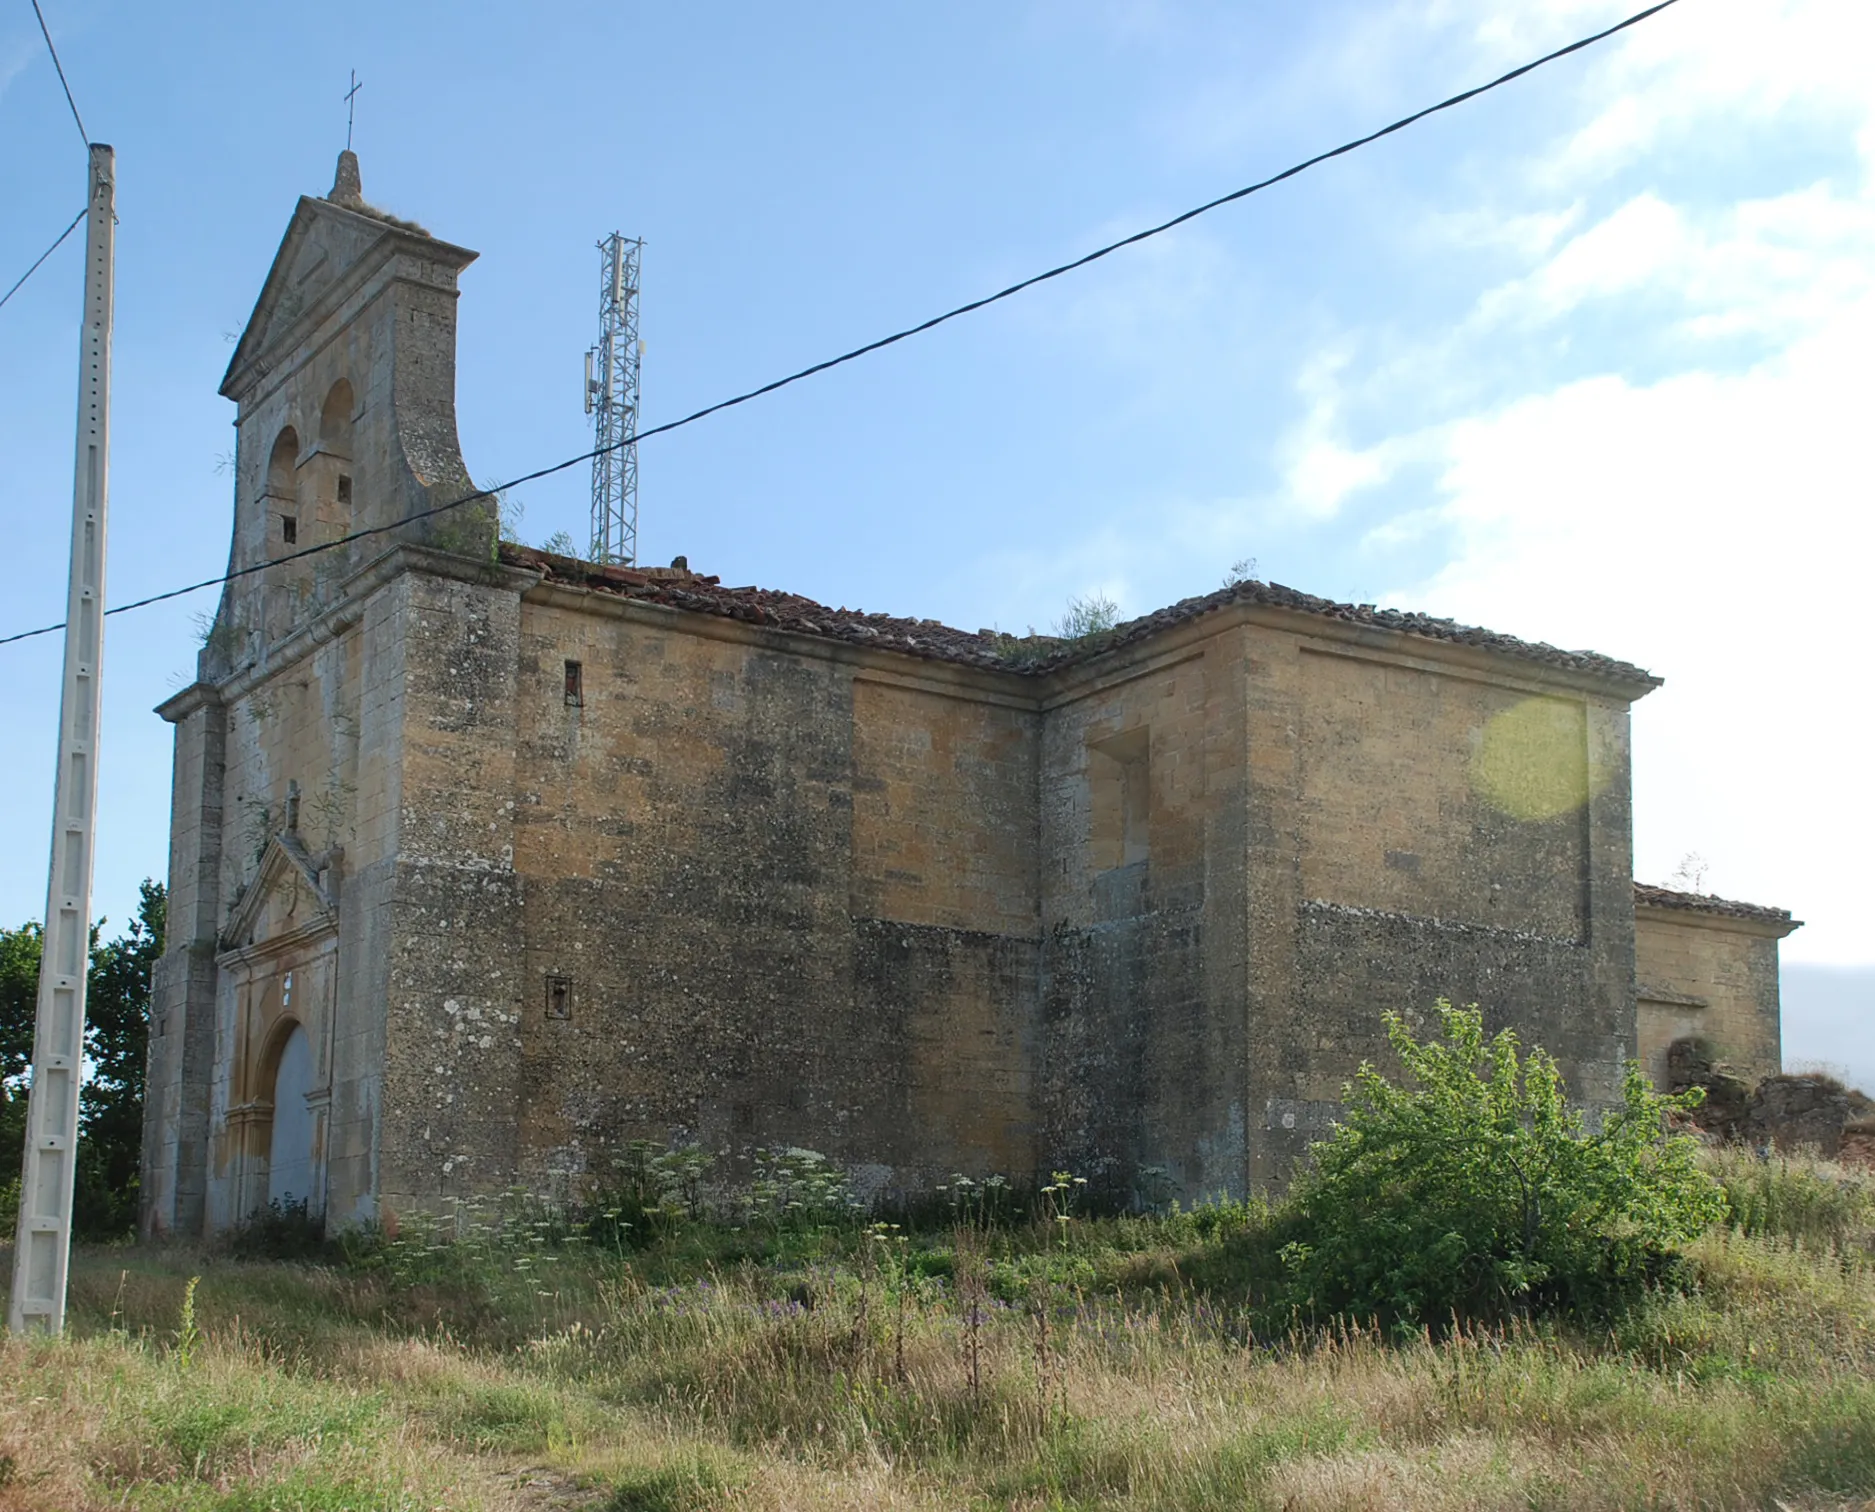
x: 681, y: 589
x: 1666, y: 897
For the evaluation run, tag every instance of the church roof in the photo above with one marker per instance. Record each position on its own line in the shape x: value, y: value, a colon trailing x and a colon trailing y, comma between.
x: 682, y: 589
x: 1646, y: 896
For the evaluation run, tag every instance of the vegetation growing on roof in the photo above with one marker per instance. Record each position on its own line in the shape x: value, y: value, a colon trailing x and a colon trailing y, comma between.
x: 1087, y: 615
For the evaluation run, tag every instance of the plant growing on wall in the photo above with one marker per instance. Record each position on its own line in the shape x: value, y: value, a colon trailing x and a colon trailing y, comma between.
x: 220, y: 638
x: 509, y: 513
x: 261, y: 705
x: 328, y: 807
x: 257, y: 828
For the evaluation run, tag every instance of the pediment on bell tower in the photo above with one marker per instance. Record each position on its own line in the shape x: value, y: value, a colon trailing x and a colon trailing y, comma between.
x: 330, y: 249
x: 323, y: 244
x: 318, y: 253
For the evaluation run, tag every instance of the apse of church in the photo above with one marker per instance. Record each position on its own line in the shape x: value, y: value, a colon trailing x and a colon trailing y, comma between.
x: 486, y: 862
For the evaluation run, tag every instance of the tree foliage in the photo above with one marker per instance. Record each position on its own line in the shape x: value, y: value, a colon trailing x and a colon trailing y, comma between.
x: 1478, y: 1192
x: 19, y: 988
x: 110, y: 1107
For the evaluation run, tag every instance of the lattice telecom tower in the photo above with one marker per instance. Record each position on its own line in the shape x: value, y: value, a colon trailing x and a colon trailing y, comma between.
x: 612, y: 401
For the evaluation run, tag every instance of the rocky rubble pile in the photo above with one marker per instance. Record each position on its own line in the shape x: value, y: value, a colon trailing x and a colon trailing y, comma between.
x: 1787, y: 1111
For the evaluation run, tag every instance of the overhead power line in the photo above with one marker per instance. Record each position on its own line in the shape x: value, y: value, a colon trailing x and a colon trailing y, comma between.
x: 895, y: 337
x: 83, y: 135
x: 41, y: 258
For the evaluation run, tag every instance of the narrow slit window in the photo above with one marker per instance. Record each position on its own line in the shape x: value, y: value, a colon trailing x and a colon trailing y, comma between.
x: 289, y: 530
x: 559, y: 997
x: 575, y: 688
x: 345, y: 489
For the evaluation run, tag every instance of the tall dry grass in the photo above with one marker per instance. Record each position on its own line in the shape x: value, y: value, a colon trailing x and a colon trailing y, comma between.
x: 1114, y: 1363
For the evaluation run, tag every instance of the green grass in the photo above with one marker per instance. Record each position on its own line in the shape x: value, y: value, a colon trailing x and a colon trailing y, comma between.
x: 1119, y: 1363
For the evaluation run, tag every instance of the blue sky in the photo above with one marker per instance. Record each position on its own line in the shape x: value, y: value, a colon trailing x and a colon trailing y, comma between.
x: 1584, y: 361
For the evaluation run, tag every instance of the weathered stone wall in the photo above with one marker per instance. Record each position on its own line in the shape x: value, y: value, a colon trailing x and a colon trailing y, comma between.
x: 451, y: 1052
x: 784, y: 897
x: 1144, y: 869
x: 944, y: 816
x: 946, y: 918
x: 294, y: 733
x: 291, y: 728
x: 176, y: 1087
x: 1708, y: 976
x: 1424, y: 823
x: 925, y: 918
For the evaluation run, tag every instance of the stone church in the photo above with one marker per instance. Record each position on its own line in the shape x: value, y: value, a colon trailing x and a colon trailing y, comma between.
x: 486, y: 861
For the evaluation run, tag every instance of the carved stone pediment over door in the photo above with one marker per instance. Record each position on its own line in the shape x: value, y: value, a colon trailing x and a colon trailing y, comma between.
x: 278, y: 959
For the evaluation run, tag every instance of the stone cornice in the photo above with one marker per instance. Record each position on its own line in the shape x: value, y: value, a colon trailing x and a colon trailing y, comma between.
x: 1644, y: 993
x: 881, y: 664
x: 354, y: 593
x: 180, y: 705
x: 1061, y: 667
x: 1014, y: 687
x: 1726, y: 923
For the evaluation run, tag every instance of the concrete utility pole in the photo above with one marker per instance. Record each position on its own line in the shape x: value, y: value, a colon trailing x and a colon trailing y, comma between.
x: 43, y: 1251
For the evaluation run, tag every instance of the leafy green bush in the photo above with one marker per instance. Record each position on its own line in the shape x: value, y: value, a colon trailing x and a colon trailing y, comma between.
x: 1479, y: 1192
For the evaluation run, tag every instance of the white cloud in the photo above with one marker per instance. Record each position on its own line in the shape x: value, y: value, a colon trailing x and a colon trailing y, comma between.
x: 1527, y: 236
x: 1657, y: 83
x: 1651, y: 486
x: 1713, y: 523
x: 1765, y: 267
x: 1716, y: 528
x: 1321, y: 470
x: 1636, y: 245
x: 1752, y: 60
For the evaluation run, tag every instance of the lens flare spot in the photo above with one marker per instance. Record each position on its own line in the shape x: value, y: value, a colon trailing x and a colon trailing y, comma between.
x: 1531, y: 760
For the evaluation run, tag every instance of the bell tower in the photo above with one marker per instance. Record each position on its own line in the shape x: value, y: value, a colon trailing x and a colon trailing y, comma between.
x: 286, y: 842
x: 345, y: 385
